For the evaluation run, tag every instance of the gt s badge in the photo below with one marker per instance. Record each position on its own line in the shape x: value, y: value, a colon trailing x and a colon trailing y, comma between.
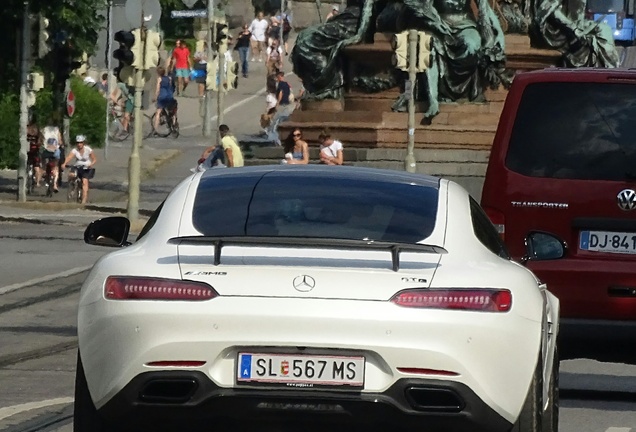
x: 413, y: 280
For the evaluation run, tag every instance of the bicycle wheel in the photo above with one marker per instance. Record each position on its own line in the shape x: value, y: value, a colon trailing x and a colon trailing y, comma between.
x: 163, y: 128
x: 146, y: 126
x: 174, y: 128
x: 30, y: 185
x: 116, y: 130
x: 71, y: 195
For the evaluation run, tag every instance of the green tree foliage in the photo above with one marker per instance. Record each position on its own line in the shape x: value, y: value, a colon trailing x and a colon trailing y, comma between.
x: 90, y: 113
x: 78, y: 21
x: 9, y: 138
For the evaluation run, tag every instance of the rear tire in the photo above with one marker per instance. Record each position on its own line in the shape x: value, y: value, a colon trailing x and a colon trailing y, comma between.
x: 85, y: 416
x: 551, y: 415
x: 163, y: 128
x: 530, y: 419
x: 116, y: 131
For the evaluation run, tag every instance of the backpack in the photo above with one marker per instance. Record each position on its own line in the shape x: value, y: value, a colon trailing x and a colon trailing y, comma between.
x: 51, y: 138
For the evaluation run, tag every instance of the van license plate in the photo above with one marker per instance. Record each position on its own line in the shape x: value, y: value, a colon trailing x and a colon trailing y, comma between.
x: 300, y: 371
x: 608, y: 241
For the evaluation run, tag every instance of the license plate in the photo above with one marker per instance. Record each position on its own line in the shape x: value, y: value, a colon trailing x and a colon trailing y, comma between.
x: 608, y: 241
x: 301, y: 371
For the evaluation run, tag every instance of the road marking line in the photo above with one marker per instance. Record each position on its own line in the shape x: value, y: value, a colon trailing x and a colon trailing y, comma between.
x: 261, y: 92
x: 17, y: 286
x: 618, y: 429
x: 17, y: 409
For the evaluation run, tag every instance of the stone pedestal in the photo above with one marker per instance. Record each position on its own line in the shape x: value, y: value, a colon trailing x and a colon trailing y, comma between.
x: 365, y: 120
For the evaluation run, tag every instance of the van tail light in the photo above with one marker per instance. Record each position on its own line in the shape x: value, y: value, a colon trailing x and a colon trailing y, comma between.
x: 145, y: 288
x: 498, y: 220
x: 471, y: 299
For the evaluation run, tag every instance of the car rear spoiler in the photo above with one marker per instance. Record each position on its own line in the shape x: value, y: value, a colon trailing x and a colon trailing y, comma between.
x: 309, y: 242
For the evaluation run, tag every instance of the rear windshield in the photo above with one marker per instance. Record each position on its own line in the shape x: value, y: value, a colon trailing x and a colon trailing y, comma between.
x: 575, y: 131
x: 311, y: 206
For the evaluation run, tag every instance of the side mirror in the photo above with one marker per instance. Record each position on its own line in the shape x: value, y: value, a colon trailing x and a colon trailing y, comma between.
x: 543, y: 246
x: 110, y: 231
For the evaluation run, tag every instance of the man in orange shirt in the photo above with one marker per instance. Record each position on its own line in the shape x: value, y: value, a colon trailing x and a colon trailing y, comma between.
x: 182, y: 64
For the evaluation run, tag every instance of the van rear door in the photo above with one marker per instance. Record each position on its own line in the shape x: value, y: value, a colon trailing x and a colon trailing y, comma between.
x: 564, y: 162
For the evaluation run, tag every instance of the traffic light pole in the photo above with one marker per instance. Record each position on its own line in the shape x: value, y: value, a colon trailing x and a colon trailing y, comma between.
x: 221, y: 91
x: 134, y: 164
x: 24, y: 108
x: 409, y: 161
x: 207, y: 112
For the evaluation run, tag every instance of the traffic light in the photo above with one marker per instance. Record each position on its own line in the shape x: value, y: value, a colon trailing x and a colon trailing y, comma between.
x: 43, y: 36
x: 129, y: 51
x: 212, y: 77
x: 65, y: 64
x: 400, y: 45
x: 222, y: 35
x: 231, y: 74
x: 153, y: 42
x: 423, y: 51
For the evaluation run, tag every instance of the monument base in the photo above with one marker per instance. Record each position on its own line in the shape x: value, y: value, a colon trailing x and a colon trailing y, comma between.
x: 365, y: 120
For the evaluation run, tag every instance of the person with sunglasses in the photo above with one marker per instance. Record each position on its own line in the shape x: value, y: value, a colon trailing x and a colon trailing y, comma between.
x: 296, y: 149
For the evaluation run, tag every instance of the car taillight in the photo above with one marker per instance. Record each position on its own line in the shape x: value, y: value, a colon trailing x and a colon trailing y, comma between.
x: 498, y: 220
x: 486, y: 300
x: 143, y: 288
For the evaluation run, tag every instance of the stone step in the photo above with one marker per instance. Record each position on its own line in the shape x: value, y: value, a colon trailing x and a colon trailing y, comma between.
x: 357, y: 101
x: 435, y: 156
x: 447, y: 118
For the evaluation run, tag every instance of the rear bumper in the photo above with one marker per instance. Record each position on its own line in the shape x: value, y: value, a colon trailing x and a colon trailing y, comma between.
x: 176, y: 399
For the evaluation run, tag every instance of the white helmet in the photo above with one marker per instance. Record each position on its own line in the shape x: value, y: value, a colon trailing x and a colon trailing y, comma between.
x: 80, y: 138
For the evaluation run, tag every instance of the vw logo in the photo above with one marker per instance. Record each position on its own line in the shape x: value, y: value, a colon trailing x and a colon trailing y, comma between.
x: 626, y: 199
x: 304, y: 283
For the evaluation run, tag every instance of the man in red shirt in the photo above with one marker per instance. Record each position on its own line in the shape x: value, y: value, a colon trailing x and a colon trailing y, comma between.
x: 182, y: 63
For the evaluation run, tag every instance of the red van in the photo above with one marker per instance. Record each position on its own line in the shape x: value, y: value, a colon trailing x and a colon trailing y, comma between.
x: 561, y: 189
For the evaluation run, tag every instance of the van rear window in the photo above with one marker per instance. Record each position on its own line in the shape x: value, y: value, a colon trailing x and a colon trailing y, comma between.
x: 575, y: 131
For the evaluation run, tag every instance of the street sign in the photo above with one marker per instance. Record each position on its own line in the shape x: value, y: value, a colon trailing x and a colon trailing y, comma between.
x: 195, y: 13
x: 70, y: 103
x: 189, y: 3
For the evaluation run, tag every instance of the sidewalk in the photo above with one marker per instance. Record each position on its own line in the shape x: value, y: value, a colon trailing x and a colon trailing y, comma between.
x: 109, y: 189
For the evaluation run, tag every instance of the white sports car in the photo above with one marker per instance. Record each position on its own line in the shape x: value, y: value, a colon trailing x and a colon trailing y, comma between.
x: 315, y: 298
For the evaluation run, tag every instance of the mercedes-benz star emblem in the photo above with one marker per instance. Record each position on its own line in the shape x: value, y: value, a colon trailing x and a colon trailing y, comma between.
x: 304, y: 283
x: 626, y: 199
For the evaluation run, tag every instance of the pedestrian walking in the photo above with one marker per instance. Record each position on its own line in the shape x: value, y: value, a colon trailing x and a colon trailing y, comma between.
x: 243, y: 48
x: 182, y: 64
x: 258, y: 28
x: 200, y: 68
x: 274, y: 58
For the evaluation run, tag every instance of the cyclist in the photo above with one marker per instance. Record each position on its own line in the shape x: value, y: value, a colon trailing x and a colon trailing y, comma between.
x: 52, y: 145
x: 83, y: 168
x: 163, y: 95
x: 34, y: 136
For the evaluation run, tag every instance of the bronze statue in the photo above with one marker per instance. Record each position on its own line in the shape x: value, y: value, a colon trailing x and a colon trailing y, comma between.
x: 467, y: 45
x: 583, y: 42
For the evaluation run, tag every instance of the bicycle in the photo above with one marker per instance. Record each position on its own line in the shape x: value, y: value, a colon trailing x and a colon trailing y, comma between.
x: 168, y: 124
x: 49, y: 163
x: 74, y: 193
x: 30, y: 180
x: 116, y: 130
